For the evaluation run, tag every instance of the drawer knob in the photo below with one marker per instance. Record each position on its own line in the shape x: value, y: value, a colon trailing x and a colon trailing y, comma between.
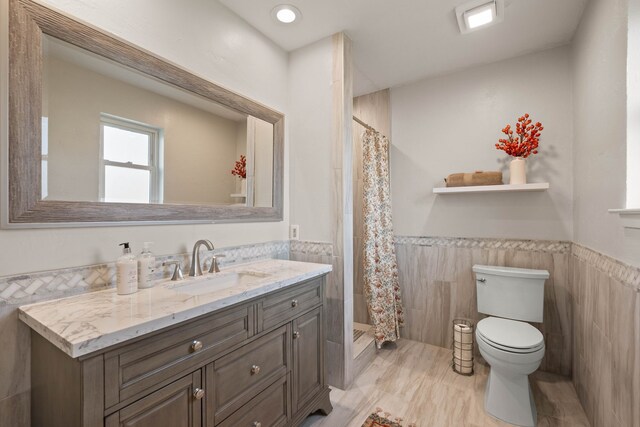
x: 255, y: 369
x: 296, y: 335
x: 196, y: 345
x: 294, y: 303
x: 198, y: 393
x: 257, y: 424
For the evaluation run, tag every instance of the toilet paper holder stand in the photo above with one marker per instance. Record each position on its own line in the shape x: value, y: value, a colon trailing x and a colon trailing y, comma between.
x: 462, y: 351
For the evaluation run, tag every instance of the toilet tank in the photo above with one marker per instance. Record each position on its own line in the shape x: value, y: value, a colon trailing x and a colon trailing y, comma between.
x: 512, y: 293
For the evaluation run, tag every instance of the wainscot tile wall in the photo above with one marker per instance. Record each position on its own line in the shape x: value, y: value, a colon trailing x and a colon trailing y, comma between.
x: 438, y: 285
x: 606, y: 338
x: 15, y: 342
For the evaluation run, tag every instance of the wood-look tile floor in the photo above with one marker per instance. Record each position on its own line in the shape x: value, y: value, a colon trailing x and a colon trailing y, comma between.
x: 414, y: 381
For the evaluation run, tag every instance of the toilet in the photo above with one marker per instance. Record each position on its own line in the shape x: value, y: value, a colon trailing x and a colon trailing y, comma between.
x: 512, y: 348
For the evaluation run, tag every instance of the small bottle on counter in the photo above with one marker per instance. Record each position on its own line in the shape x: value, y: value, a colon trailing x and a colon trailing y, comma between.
x: 126, y: 271
x: 146, y: 266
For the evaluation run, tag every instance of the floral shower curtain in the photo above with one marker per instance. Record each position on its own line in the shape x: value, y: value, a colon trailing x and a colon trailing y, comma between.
x: 381, y: 288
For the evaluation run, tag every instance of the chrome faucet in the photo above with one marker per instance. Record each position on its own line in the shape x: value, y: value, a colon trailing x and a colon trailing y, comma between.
x: 177, y: 272
x: 196, y: 268
x: 215, y: 268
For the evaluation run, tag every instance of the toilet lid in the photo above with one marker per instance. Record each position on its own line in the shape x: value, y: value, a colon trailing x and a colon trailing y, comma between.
x: 510, y: 334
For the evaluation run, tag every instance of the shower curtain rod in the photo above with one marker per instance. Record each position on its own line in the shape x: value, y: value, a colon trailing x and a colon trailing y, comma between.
x: 364, y: 124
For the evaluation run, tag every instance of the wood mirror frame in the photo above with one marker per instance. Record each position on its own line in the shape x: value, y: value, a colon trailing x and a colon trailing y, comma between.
x: 28, y: 21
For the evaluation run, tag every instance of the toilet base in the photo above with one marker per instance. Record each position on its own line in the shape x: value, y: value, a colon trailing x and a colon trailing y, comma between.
x: 509, y: 398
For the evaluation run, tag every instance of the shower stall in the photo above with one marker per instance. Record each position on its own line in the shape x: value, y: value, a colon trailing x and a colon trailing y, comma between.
x: 371, y: 113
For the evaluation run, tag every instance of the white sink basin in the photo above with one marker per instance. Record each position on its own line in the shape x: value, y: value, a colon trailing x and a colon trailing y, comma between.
x: 216, y: 282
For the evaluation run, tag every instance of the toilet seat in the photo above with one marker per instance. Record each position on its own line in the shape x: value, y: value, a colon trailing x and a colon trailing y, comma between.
x: 510, y: 335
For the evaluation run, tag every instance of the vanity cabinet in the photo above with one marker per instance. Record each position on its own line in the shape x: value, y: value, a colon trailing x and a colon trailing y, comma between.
x: 258, y: 363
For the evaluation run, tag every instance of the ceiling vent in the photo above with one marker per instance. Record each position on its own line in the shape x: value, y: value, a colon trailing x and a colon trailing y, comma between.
x: 478, y: 14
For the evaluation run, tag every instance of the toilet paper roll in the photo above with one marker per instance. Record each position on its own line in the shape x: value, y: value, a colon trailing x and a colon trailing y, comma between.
x: 462, y: 346
x: 462, y: 333
x: 463, y: 367
x: 461, y: 354
x: 466, y: 370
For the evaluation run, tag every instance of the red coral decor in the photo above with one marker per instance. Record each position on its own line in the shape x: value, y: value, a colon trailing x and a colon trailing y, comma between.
x: 526, y: 139
x: 240, y: 170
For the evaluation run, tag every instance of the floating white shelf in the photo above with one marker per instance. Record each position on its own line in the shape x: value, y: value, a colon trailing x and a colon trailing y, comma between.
x: 537, y: 186
x: 238, y: 195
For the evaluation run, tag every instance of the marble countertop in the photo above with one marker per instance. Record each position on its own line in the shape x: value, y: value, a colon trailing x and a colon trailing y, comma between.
x: 86, y: 323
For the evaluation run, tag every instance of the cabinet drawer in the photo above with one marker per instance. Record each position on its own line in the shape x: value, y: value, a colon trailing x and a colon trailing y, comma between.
x: 175, y: 405
x: 285, y: 305
x: 241, y: 375
x: 267, y: 409
x: 135, y: 368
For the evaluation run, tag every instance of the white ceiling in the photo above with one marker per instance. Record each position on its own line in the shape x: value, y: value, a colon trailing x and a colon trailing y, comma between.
x: 397, y: 42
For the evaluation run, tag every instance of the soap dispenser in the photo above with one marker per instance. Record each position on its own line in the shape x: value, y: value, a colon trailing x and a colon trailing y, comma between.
x: 146, y: 266
x: 126, y: 271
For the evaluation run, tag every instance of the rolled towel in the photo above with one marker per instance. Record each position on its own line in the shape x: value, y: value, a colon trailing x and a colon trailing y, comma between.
x: 475, y: 178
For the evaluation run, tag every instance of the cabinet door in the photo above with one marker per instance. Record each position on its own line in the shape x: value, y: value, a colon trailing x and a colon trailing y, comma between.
x: 178, y: 404
x: 308, y: 348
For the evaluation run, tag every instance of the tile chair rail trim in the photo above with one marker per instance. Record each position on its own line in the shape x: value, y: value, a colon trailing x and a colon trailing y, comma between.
x: 32, y: 287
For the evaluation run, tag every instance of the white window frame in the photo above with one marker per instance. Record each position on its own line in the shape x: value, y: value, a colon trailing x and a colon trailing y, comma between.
x: 630, y: 215
x: 155, y: 167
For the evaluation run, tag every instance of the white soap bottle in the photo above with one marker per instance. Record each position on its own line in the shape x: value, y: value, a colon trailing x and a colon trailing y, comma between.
x: 146, y: 267
x: 126, y: 271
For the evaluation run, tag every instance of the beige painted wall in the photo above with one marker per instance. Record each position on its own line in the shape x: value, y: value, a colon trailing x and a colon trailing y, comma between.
x: 311, y: 138
x: 450, y: 124
x: 196, y: 37
x: 600, y: 121
x: 199, y: 147
x: 320, y: 99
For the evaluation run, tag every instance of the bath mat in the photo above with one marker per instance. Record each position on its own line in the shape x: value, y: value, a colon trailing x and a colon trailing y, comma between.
x: 357, y: 333
x: 381, y: 418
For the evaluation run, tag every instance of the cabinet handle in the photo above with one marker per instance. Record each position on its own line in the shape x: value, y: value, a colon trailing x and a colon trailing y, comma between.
x: 196, y: 346
x: 294, y: 303
x: 257, y: 424
x: 296, y: 335
x: 255, y: 369
x: 198, y: 393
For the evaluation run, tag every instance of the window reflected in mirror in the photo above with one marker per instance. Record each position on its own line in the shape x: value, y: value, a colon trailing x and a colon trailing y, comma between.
x: 129, y: 153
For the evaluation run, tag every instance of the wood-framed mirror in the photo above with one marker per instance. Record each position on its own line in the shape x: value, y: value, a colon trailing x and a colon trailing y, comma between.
x: 102, y: 132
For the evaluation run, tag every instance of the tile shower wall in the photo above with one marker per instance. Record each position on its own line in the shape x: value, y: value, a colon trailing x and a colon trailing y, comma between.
x: 606, y: 338
x: 15, y: 380
x: 438, y: 285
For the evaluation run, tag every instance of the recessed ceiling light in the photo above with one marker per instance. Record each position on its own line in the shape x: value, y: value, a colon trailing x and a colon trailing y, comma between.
x: 478, y: 14
x: 286, y: 13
